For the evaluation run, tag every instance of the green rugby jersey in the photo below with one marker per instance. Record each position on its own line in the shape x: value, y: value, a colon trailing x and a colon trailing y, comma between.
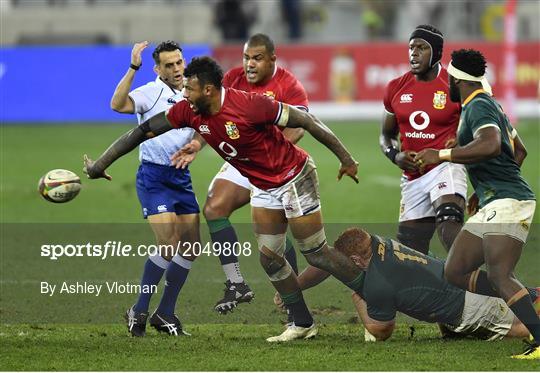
x: 401, y: 279
x: 498, y: 177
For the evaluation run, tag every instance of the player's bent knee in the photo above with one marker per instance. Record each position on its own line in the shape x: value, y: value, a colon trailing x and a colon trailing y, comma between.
x: 449, y: 211
x: 452, y: 275
x: 213, y: 210
x: 277, y: 270
x: 272, y: 242
x: 313, y: 244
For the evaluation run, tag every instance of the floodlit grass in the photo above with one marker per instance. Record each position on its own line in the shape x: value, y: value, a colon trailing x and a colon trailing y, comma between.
x: 86, y: 332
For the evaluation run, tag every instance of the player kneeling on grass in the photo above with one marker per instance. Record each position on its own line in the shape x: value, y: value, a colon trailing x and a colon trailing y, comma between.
x: 398, y: 278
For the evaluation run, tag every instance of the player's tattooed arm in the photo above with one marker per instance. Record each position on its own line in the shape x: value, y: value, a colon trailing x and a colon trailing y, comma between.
x: 295, y: 118
x: 154, y: 126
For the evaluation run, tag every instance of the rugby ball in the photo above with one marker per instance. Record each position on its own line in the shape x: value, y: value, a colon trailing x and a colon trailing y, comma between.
x: 59, y: 186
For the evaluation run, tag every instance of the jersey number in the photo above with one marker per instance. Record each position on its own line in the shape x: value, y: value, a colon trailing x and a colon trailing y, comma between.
x: 402, y: 256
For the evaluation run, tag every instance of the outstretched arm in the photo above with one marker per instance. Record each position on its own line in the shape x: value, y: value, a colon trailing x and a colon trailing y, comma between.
x: 154, y: 126
x: 300, y: 119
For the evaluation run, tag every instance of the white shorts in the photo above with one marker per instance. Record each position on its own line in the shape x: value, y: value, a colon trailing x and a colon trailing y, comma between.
x: 503, y: 216
x: 298, y: 197
x: 484, y: 317
x: 418, y: 195
x: 228, y: 172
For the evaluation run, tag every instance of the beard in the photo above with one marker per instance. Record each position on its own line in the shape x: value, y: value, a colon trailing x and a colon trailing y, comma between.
x: 453, y: 91
x: 203, y: 108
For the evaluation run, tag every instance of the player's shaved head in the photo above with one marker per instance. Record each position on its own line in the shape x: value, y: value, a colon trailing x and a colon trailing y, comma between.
x: 261, y: 40
x: 206, y: 70
x: 354, y: 242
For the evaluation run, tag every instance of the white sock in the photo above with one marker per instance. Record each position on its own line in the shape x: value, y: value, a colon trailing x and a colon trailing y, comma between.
x: 232, y: 271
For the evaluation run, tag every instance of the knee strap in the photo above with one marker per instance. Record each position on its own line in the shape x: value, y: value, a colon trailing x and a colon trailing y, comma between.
x: 313, y: 243
x: 449, y: 211
x: 276, y: 273
x: 273, y: 242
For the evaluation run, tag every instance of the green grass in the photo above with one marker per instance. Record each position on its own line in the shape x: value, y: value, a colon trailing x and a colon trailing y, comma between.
x: 85, y: 332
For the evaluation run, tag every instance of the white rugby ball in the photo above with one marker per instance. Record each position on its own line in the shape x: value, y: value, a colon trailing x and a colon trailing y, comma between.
x: 59, y: 186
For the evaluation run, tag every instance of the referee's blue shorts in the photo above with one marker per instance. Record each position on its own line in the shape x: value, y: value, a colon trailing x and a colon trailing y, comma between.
x: 165, y: 189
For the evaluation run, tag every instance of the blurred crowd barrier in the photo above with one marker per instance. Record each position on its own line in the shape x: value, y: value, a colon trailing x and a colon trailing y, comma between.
x: 343, y: 81
x: 219, y: 21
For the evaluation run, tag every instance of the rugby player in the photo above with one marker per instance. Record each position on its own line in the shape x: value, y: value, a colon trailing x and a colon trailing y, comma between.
x: 165, y: 193
x: 229, y: 190
x: 397, y: 278
x: 243, y: 129
x: 493, y: 153
x: 417, y: 109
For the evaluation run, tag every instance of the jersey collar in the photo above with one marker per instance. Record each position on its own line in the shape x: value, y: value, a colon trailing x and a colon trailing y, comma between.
x: 275, y: 71
x: 473, y: 95
x: 222, y: 95
x: 166, y: 86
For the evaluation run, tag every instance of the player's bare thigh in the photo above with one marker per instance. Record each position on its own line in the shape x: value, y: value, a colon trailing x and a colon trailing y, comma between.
x: 268, y: 221
x: 305, y: 226
x: 502, y: 254
x: 465, y: 256
x: 170, y: 228
x: 224, y: 197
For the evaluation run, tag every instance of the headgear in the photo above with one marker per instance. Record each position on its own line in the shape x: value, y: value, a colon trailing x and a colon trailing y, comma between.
x: 434, y: 40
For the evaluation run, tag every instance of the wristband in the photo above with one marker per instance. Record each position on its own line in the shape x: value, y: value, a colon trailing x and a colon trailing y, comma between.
x: 135, y: 67
x: 445, y: 155
x: 391, y: 153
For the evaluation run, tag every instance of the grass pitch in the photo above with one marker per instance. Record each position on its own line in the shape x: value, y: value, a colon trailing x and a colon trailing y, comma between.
x: 85, y: 332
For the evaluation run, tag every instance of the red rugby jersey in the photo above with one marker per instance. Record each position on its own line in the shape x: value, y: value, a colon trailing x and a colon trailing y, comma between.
x: 245, y: 134
x: 425, y: 115
x: 282, y: 87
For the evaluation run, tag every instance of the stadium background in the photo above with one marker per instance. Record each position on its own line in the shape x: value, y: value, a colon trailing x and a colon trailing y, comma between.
x: 59, y: 63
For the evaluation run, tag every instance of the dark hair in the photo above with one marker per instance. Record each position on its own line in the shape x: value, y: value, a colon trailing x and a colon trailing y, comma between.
x: 206, y: 70
x: 470, y: 61
x: 165, y: 46
x: 431, y: 28
x: 261, y: 40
